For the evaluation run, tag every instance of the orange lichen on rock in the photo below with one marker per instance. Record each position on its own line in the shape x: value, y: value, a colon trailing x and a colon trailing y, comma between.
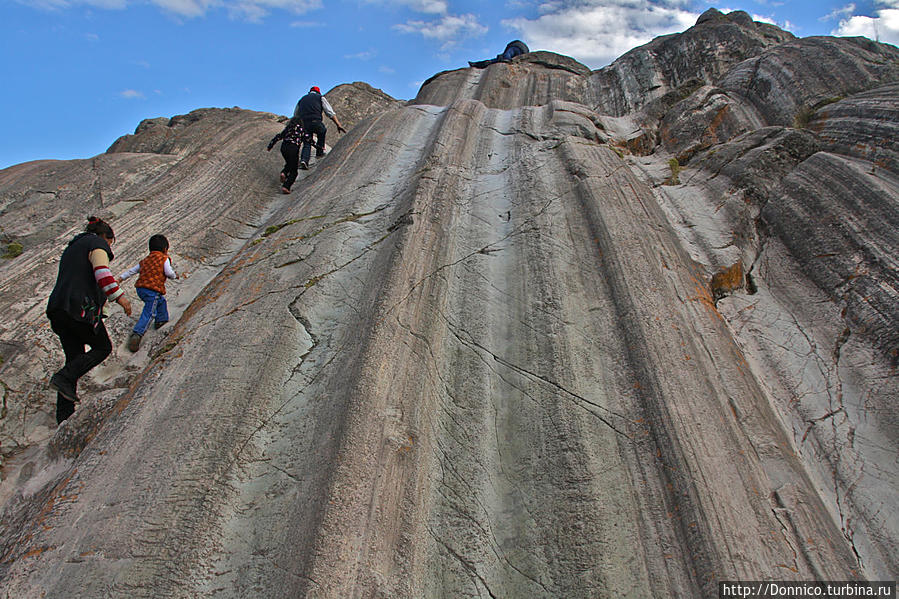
x: 728, y: 280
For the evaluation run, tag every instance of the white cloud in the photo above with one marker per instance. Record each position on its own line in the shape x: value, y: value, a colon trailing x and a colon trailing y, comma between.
x: 884, y: 26
x: 596, y: 32
x: 184, y: 8
x: 45, y: 4
x: 248, y: 10
x: 132, y: 94
x: 434, y: 7
x: 255, y: 11
x: 837, y: 13
x: 304, y: 24
x: 448, y: 28
x: 367, y: 55
x: 769, y: 20
x: 54, y: 4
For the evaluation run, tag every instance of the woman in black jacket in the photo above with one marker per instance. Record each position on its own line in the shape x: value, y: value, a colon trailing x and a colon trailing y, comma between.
x: 291, y: 138
x: 75, y: 309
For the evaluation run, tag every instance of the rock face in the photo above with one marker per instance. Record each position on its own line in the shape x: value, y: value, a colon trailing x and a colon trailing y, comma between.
x: 666, y: 65
x: 355, y: 102
x: 540, y: 332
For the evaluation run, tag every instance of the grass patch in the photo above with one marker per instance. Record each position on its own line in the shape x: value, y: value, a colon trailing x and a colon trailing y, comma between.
x: 275, y: 228
x: 802, y: 118
x: 676, y: 168
x: 805, y: 113
x: 313, y: 281
x: 13, y: 249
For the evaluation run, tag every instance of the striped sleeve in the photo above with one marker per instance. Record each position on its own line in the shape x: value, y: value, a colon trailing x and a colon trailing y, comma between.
x: 107, y: 282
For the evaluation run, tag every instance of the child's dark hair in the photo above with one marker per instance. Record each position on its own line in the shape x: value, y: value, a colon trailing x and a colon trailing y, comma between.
x: 98, y: 226
x: 158, y: 243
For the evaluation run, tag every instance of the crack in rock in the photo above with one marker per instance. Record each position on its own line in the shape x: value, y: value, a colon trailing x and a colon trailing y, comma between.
x: 580, y: 400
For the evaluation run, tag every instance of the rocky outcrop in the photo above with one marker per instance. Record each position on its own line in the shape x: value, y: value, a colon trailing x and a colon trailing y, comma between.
x: 195, y: 132
x: 705, y: 53
x: 789, y: 82
x: 524, y: 336
x: 200, y: 187
x: 862, y: 126
x: 535, y: 79
x: 355, y: 102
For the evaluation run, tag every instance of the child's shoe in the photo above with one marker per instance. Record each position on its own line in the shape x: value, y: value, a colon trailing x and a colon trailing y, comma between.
x: 134, y: 342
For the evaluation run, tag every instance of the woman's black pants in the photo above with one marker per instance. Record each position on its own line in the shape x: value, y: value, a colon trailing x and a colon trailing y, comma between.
x: 74, y: 335
x: 291, y: 153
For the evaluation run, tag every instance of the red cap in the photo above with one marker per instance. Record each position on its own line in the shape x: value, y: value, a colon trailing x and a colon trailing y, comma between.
x: 315, y: 89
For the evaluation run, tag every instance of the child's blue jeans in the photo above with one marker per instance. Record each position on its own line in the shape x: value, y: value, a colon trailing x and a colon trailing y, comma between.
x: 154, y: 307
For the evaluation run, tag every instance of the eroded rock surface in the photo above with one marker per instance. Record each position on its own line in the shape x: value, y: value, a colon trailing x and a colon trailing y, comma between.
x: 496, y: 343
x: 666, y: 65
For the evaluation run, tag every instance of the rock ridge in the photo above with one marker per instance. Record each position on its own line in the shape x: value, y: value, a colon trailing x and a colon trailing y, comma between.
x: 541, y: 331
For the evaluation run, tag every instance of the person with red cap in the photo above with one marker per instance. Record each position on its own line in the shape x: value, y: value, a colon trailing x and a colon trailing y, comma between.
x: 309, y: 109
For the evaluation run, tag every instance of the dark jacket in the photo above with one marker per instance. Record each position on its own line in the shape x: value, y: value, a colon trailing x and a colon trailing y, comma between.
x: 518, y: 44
x: 293, y: 133
x: 309, y: 108
x: 76, y: 292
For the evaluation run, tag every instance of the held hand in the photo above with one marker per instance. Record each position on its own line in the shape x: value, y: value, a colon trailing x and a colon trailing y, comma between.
x: 125, y: 303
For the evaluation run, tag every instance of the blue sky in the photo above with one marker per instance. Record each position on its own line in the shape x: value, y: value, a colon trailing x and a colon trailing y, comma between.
x: 78, y: 74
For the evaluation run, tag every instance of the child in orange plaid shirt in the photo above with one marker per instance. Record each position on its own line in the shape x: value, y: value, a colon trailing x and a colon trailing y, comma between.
x: 150, y: 287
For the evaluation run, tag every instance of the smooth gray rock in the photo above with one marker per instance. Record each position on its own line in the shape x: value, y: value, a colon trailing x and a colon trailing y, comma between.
x: 793, y: 79
x: 535, y: 78
x: 706, y: 119
x: 841, y: 224
x: 863, y: 126
x: 705, y: 51
x: 353, y: 103
x: 482, y: 349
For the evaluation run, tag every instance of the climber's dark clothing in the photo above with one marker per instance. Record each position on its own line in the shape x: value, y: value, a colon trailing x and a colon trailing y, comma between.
x: 291, y: 138
x: 513, y: 49
x: 292, y: 133
x: 291, y: 154
x: 74, y: 335
x: 317, y: 127
x: 309, y: 109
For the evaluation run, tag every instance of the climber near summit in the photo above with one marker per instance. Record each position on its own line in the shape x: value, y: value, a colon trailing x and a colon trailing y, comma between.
x: 75, y: 309
x: 309, y: 110
x: 513, y: 49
